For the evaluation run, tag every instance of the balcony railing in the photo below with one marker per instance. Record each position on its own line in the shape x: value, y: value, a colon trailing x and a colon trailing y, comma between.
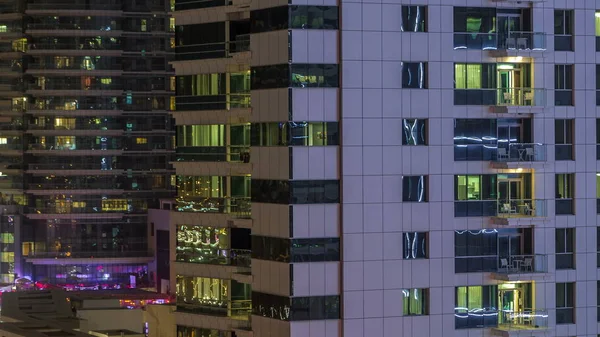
x: 196, y: 4
x: 238, y: 206
x: 212, y: 102
x: 228, y: 257
x: 522, y: 208
x: 532, y: 41
x: 213, y: 50
x: 236, y: 309
x: 523, y: 264
x: 521, y: 152
x: 233, y: 153
x: 527, y: 319
x: 527, y: 97
x: 91, y: 254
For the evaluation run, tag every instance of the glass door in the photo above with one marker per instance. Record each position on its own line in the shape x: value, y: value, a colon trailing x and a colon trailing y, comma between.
x: 507, y: 23
x: 508, y: 133
x: 509, y: 300
x: 509, y: 195
x: 509, y: 82
x: 509, y: 246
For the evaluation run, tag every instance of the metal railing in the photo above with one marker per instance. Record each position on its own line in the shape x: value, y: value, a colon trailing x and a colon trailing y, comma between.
x: 213, y: 50
x: 515, y: 40
x: 212, y: 102
x: 522, y: 264
x: 229, y: 257
x: 237, y: 206
x: 522, y: 208
x: 236, y: 309
x: 91, y: 254
x: 527, y: 319
x: 232, y: 153
x: 521, y: 97
x: 75, y: 46
x: 521, y: 152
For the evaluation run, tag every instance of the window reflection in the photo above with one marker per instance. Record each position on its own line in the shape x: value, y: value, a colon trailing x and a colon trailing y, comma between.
x: 414, y: 188
x: 414, y: 19
x: 414, y: 75
x: 294, y: 134
x: 414, y: 132
x: 414, y: 245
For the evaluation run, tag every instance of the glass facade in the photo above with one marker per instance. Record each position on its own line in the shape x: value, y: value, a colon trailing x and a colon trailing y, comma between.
x: 91, y: 119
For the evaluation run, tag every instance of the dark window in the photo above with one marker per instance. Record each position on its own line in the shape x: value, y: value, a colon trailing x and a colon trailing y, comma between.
x: 598, y: 70
x: 563, y: 84
x: 598, y: 138
x: 565, y: 303
x: 414, y: 19
x: 414, y: 188
x: 563, y: 30
x: 414, y: 75
x: 563, y: 139
x: 565, y: 188
x: 475, y: 139
x: 598, y: 301
x: 414, y: 245
x: 475, y: 251
x: 565, y: 243
x: 294, y: 134
x: 598, y: 247
x: 295, y: 250
x: 191, y: 46
x: 295, y: 192
x: 314, y: 17
x: 295, y: 75
x: 414, y: 132
x: 415, y: 302
x: 295, y: 17
x: 295, y: 308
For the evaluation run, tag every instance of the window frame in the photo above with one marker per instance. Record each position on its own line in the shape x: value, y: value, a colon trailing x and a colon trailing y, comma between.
x: 409, y: 308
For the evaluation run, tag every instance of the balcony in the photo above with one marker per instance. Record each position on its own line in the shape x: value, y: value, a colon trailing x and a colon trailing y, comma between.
x: 205, y: 51
x: 234, y: 309
x: 519, y: 155
x: 521, y: 267
x: 237, y: 206
x: 512, y: 43
x: 519, y: 212
x: 233, y: 153
x: 517, y: 323
x: 82, y: 257
x: 503, y: 100
x: 216, y: 109
x: 226, y: 257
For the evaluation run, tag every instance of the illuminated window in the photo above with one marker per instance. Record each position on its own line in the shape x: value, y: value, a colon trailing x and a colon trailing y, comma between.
x: 172, y: 103
x: 19, y: 45
x: 65, y: 142
x: 79, y: 204
x: 141, y: 140
x: 144, y: 26
x: 3, y: 29
x: 114, y: 205
x: 172, y: 24
x: 172, y: 83
x: 27, y: 248
x: 106, y: 80
x: 7, y: 238
x: 7, y: 257
x: 3, y: 140
x: 64, y: 123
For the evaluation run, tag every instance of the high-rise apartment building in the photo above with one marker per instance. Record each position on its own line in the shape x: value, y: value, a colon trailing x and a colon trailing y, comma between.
x: 85, y: 140
x: 403, y: 168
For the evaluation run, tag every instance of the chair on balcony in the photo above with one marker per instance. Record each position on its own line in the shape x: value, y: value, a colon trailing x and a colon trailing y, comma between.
x: 504, y: 265
x: 528, y: 264
x: 511, y: 43
x: 522, y: 43
x: 502, y: 153
x: 529, y: 154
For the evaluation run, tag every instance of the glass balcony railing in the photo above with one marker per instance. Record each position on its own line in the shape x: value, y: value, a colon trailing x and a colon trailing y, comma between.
x: 523, y: 264
x: 501, y: 97
x: 532, y: 41
x: 236, y: 309
x: 522, y: 208
x: 228, y: 257
x: 212, y: 102
x: 91, y: 254
x: 213, y: 50
x: 528, y: 319
x: 238, y: 206
x: 521, y: 152
x: 233, y: 153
